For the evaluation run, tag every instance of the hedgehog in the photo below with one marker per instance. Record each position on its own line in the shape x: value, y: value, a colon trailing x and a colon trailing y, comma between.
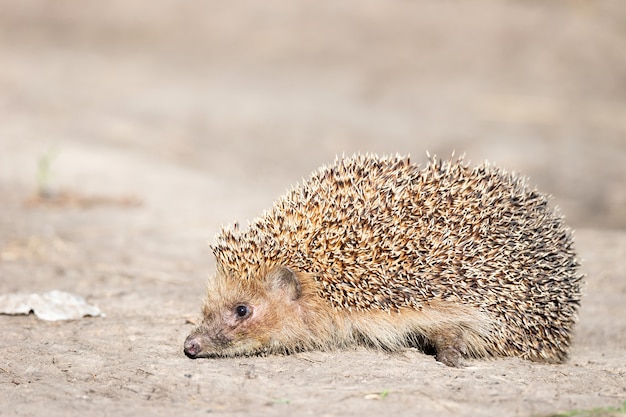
x: 461, y: 262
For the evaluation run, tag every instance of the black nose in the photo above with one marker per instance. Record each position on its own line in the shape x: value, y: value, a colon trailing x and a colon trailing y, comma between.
x: 192, y: 347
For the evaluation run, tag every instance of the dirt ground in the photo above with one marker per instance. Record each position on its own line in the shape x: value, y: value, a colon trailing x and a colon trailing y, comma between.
x: 154, y: 122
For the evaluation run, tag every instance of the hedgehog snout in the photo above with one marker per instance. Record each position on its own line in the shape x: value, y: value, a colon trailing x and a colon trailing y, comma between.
x: 192, y: 346
x: 205, y: 341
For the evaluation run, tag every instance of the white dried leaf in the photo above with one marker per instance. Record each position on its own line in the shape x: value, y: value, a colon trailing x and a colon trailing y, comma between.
x: 52, y: 306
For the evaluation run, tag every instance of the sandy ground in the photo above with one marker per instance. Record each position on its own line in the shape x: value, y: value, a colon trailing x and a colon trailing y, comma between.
x: 204, y: 112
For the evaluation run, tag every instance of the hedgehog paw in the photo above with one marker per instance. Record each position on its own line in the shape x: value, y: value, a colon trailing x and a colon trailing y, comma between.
x: 450, y: 347
x: 450, y: 356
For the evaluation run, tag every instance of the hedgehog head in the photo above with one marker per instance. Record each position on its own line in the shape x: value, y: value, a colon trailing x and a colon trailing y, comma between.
x: 244, y: 316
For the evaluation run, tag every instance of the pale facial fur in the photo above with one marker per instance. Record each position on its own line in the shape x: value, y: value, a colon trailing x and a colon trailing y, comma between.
x: 241, y: 317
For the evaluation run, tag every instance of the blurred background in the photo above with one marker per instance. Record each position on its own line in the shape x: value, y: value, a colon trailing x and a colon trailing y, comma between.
x: 207, y: 111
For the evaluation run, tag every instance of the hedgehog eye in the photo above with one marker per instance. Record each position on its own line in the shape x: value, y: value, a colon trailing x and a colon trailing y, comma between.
x: 242, y: 311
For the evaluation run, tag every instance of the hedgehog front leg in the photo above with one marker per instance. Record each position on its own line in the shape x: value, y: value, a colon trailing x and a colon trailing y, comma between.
x: 450, y: 346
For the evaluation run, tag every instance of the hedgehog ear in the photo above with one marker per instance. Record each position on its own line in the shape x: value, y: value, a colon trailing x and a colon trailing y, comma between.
x: 282, y: 278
